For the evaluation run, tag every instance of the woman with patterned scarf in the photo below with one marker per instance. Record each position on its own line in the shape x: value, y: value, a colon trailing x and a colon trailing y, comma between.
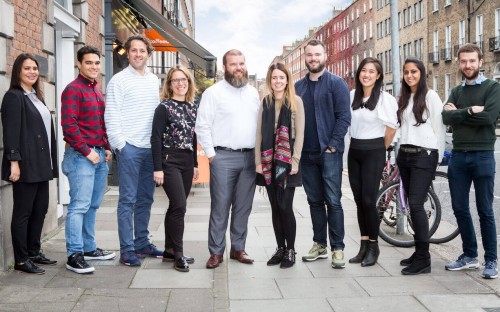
x: 278, y: 146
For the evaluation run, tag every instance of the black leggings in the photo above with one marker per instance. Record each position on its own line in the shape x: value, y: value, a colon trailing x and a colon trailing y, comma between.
x: 178, y: 177
x: 284, y: 224
x: 365, y: 172
x: 417, y: 172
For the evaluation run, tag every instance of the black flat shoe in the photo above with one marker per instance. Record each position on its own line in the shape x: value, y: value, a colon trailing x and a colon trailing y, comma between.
x: 29, y: 267
x: 41, y: 259
x: 181, y: 265
x: 168, y: 257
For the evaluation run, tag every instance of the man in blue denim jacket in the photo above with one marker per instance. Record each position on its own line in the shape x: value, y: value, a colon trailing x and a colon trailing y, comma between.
x: 327, y: 114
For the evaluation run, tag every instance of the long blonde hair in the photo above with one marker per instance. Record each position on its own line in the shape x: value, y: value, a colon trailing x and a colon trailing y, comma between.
x: 166, y: 91
x: 289, y: 96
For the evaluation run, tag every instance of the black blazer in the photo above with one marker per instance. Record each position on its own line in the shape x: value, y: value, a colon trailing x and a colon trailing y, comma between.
x: 25, y: 139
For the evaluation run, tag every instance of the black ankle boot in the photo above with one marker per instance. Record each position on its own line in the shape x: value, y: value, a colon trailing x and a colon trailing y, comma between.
x: 421, y: 262
x: 363, y: 247
x: 407, y: 261
x: 372, y: 254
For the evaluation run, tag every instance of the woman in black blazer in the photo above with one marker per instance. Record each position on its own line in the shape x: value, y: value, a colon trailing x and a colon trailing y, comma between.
x: 29, y: 161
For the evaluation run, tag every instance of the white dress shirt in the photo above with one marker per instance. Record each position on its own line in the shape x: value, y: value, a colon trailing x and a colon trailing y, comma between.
x: 227, y: 117
x: 430, y: 134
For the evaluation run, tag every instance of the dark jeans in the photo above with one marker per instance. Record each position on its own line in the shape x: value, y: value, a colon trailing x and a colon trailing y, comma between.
x: 31, y: 202
x: 284, y: 224
x: 322, y: 179
x: 476, y: 167
x: 365, y: 172
x: 417, y: 172
x: 178, y: 178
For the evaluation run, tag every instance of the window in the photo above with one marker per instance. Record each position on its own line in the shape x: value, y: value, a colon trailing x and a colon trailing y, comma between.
x: 371, y: 30
x: 447, y: 43
x: 357, y: 35
x: 370, y: 4
x: 479, y: 31
x: 435, y: 80
x: 379, y: 4
x: 497, y: 24
x: 447, y: 85
x: 436, y: 41
x: 364, y: 31
x: 447, y: 3
x: 364, y: 7
x: 461, y: 32
x: 435, y: 5
x: 418, y: 11
x: 399, y: 20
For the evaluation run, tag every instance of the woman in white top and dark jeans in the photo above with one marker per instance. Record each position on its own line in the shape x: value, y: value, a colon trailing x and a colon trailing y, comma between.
x: 373, y: 125
x: 421, y: 146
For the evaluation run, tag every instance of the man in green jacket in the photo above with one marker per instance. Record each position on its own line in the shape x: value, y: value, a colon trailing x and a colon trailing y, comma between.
x: 472, y: 111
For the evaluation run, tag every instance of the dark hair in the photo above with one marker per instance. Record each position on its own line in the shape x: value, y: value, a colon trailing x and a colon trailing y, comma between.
x: 87, y: 50
x: 377, y: 88
x: 470, y: 48
x: 315, y: 42
x: 145, y: 40
x: 419, y: 104
x: 231, y: 52
x: 15, y: 81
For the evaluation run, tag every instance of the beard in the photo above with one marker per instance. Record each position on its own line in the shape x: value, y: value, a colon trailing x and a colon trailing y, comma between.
x: 236, y: 82
x: 474, y: 75
x: 320, y: 67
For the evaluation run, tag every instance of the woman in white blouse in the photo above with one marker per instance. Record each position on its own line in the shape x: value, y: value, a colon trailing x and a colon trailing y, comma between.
x: 373, y: 125
x: 422, y: 145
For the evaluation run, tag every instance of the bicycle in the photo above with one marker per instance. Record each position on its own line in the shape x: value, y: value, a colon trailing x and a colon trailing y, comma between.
x: 396, y: 227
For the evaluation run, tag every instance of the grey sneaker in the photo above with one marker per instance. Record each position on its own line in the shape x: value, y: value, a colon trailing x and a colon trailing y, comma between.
x: 338, y: 261
x: 490, y: 270
x: 463, y: 262
x: 317, y: 252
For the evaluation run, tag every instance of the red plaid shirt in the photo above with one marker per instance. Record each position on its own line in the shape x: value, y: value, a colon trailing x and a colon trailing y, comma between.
x: 82, y: 116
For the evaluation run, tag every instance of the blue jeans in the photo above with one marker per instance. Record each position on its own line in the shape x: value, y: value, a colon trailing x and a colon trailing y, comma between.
x: 137, y: 186
x: 87, y: 184
x: 476, y: 167
x: 322, y: 179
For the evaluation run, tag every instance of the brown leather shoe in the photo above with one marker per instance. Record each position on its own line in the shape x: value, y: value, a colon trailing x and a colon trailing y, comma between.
x: 214, y: 261
x: 241, y: 256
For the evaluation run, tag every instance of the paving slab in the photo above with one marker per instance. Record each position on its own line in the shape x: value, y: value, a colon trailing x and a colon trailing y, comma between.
x: 401, y: 285
x: 288, y: 305
x: 259, y: 270
x: 103, y: 277
x: 262, y: 288
x: 460, y: 303
x: 47, y: 307
x: 377, y: 304
x: 192, y: 300
x: 295, y: 288
x: 162, y: 278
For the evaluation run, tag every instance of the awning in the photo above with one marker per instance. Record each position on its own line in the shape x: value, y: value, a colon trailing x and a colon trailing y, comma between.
x: 177, y: 39
x: 158, y: 41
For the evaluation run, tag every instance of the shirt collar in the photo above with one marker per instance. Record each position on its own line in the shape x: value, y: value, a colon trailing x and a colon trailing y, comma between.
x: 147, y: 71
x: 86, y: 81
x: 29, y: 92
x: 478, y: 81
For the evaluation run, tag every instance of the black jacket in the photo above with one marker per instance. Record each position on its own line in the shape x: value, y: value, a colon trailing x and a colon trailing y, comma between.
x: 25, y: 139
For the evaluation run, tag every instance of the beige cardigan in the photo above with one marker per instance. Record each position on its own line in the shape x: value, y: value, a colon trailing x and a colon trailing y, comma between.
x: 298, y: 120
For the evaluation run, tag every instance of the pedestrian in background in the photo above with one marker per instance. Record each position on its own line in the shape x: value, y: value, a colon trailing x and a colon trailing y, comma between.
x: 29, y: 161
x: 225, y: 126
x: 422, y: 144
x: 278, y: 147
x: 173, y: 143
x: 472, y: 111
x: 373, y: 125
x: 85, y: 160
x: 131, y: 98
x: 327, y: 117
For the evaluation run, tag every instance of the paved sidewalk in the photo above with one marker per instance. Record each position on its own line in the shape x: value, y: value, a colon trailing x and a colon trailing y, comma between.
x: 236, y: 287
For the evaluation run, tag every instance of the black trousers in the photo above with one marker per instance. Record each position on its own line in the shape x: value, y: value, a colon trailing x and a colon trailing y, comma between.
x: 417, y: 172
x: 284, y: 223
x: 31, y: 202
x: 365, y: 171
x: 178, y: 178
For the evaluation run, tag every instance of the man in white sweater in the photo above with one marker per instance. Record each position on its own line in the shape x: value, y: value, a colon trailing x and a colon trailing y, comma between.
x: 225, y: 128
x: 131, y: 98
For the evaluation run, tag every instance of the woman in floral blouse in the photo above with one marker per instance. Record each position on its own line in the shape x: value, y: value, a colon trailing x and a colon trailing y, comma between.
x: 173, y: 143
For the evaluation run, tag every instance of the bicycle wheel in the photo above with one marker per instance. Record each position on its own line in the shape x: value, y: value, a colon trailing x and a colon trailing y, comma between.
x: 400, y: 230
x: 448, y: 228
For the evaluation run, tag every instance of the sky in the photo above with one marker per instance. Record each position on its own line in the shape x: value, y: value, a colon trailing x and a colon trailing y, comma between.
x: 259, y: 28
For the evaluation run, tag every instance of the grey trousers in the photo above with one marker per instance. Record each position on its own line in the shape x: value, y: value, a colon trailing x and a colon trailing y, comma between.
x: 232, y: 188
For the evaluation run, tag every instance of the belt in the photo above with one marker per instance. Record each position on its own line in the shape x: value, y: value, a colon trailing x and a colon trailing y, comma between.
x: 241, y: 150
x: 415, y: 149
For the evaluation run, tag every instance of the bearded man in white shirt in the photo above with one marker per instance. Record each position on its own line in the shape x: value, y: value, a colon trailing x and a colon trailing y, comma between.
x: 225, y: 127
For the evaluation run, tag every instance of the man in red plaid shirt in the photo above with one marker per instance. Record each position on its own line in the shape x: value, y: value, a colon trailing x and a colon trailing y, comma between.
x: 85, y: 160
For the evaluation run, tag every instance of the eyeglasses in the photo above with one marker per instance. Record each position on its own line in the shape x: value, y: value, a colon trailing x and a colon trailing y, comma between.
x: 183, y: 80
